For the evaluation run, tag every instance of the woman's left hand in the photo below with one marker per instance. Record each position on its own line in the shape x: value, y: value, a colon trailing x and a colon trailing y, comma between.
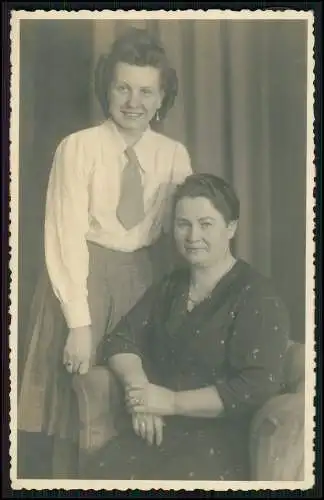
x: 152, y: 399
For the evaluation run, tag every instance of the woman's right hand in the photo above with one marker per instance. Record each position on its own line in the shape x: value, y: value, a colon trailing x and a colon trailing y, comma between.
x: 149, y: 427
x: 78, y: 350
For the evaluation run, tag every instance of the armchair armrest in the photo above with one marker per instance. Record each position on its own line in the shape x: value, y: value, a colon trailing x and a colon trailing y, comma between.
x: 277, y: 430
x: 99, y: 402
x: 294, y: 368
x: 277, y: 440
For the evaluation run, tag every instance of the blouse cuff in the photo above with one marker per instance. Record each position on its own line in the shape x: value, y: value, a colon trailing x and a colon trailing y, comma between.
x: 77, y: 313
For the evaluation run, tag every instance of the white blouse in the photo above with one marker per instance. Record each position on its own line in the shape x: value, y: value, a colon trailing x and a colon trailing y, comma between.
x: 82, y: 197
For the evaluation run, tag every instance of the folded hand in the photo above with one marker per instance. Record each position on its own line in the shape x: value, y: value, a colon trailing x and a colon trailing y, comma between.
x: 152, y: 399
x: 149, y: 427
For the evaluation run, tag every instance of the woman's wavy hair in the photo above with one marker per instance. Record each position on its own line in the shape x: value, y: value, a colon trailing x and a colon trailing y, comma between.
x: 139, y: 48
x: 215, y: 189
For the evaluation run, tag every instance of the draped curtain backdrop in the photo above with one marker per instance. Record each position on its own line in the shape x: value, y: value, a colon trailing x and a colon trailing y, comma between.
x: 241, y: 112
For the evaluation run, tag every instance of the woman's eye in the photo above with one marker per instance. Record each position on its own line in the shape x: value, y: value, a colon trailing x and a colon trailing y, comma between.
x: 122, y: 88
x: 147, y: 92
x: 205, y: 225
x: 182, y: 225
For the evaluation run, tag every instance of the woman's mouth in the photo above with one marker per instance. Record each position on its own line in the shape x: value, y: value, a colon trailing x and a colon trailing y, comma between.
x: 195, y: 249
x: 132, y: 115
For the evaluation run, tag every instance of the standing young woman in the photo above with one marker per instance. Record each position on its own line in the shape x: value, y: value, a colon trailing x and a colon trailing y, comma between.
x: 108, y: 201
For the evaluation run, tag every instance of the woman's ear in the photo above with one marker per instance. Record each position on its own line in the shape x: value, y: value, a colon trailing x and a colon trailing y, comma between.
x: 232, y: 228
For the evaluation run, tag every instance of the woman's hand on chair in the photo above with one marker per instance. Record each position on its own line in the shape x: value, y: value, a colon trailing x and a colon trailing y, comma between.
x: 148, y: 427
x: 78, y: 350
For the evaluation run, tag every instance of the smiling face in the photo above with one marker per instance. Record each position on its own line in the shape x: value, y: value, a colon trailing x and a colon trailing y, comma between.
x: 134, y: 96
x: 201, y: 233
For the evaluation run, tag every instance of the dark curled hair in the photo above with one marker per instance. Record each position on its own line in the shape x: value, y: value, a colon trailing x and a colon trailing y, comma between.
x: 215, y: 189
x: 139, y: 48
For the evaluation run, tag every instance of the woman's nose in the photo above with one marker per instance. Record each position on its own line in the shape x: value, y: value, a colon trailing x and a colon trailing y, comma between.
x: 193, y: 233
x: 134, y: 99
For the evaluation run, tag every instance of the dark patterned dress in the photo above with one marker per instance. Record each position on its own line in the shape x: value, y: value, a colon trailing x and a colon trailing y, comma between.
x: 235, y: 340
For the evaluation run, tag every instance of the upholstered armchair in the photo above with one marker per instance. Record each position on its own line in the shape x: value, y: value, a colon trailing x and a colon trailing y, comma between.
x: 277, y: 431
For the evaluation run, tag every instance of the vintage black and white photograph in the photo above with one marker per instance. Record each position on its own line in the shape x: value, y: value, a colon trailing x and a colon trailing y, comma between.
x: 162, y: 294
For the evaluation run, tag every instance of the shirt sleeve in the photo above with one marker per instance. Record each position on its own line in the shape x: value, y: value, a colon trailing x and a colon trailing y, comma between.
x: 66, y: 225
x: 255, y: 355
x: 181, y: 169
x: 181, y: 164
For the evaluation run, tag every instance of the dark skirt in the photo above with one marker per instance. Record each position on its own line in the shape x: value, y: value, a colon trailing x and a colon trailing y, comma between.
x: 47, y: 402
x: 192, y: 449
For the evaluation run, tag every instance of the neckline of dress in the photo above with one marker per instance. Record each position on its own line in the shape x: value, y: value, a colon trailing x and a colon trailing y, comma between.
x: 227, y: 275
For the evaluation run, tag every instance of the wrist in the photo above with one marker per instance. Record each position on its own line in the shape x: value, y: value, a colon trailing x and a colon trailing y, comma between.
x: 134, y: 379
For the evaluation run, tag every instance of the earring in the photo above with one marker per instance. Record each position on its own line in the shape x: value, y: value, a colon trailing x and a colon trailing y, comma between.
x: 157, y: 116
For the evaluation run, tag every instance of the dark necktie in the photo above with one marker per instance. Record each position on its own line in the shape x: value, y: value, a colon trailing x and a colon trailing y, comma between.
x: 130, y: 209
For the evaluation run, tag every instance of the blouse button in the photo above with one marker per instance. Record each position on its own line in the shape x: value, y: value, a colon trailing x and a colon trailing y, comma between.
x: 222, y: 341
x: 232, y: 314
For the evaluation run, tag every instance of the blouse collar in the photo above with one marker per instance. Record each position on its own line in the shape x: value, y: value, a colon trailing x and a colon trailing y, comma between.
x: 141, y: 148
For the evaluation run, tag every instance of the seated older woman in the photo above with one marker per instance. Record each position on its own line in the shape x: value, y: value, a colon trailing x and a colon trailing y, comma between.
x: 197, y: 355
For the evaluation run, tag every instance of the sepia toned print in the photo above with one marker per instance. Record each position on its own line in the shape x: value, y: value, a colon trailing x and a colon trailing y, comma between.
x: 161, y: 226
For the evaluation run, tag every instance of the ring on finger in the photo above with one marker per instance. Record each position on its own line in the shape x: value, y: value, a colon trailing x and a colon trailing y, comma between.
x: 136, y: 401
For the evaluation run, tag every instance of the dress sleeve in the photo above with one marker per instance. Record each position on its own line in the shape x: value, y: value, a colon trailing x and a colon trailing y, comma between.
x: 66, y: 225
x: 131, y: 333
x: 255, y: 353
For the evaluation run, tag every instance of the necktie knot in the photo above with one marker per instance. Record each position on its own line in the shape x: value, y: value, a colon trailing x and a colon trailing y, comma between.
x: 131, y: 155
